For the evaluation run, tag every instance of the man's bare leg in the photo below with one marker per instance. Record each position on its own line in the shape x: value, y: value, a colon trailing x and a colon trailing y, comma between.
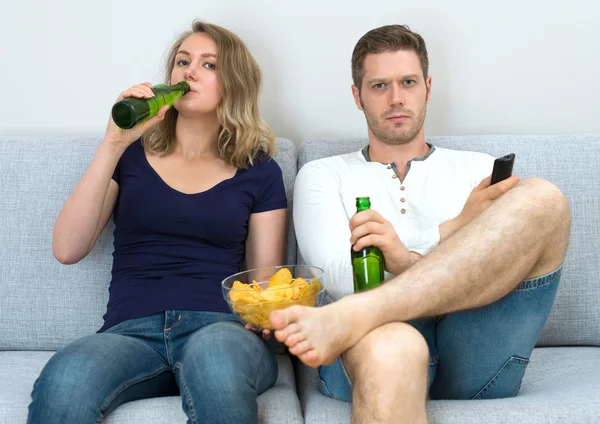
x: 523, y: 234
x: 388, y: 369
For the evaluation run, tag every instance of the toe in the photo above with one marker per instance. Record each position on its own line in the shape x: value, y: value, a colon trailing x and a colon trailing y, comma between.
x: 310, y: 358
x: 300, y: 348
x: 293, y: 329
x: 294, y: 339
x: 284, y: 317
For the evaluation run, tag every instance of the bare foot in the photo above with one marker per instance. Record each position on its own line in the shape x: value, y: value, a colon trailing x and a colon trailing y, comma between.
x: 317, y: 335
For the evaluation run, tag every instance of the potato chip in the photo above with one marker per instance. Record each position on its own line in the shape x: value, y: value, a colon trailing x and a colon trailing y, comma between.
x: 252, y: 319
x: 237, y: 285
x: 308, y: 301
x: 281, y: 277
x: 236, y: 291
x: 246, y: 308
x: 270, y: 307
x: 311, y: 289
x: 298, y: 284
x: 280, y: 294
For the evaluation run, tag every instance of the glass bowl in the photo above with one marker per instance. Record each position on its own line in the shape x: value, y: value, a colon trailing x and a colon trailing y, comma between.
x: 253, y: 294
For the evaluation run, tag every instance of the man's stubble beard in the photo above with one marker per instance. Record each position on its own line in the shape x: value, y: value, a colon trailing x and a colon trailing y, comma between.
x: 409, y: 130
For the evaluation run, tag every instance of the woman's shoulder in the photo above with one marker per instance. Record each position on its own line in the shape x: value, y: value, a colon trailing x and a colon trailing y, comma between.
x: 263, y: 163
x: 133, y: 150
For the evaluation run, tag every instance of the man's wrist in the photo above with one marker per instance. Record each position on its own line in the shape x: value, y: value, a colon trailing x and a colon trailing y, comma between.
x: 450, y: 227
x: 411, y: 259
x: 414, y: 258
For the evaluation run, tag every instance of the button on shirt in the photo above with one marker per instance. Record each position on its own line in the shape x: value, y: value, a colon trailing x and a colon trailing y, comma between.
x: 433, y: 191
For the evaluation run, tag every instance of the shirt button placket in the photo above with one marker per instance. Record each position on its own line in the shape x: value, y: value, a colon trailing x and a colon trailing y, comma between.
x: 403, y: 200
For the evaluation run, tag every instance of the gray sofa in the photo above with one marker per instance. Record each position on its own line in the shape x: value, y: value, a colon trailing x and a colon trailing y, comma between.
x: 45, y: 305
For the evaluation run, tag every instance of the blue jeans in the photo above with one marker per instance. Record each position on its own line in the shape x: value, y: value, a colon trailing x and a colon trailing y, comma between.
x: 477, y: 354
x: 217, y: 366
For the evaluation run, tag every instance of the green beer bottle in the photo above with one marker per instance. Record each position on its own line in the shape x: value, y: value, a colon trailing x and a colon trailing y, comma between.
x: 132, y: 110
x: 368, y: 265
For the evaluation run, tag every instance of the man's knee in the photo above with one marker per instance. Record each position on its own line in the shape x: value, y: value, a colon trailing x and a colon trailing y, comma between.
x: 545, y: 195
x: 557, y: 207
x: 391, y: 348
x: 550, y: 211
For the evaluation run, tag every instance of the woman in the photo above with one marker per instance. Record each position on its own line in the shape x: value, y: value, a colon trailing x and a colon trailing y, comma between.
x: 194, y: 193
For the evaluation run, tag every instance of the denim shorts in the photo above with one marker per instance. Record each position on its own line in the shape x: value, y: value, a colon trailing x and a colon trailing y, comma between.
x: 476, y: 354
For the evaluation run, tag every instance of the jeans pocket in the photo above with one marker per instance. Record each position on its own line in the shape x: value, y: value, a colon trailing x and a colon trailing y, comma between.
x: 507, y: 381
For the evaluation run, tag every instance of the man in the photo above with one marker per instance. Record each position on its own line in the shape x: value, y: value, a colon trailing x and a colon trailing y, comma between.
x: 473, y: 269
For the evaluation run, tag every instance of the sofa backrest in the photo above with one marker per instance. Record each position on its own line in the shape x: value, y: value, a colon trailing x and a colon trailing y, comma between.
x: 570, y: 162
x: 43, y: 304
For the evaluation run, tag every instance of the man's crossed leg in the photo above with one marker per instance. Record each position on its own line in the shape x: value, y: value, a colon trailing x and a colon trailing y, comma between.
x: 485, y: 293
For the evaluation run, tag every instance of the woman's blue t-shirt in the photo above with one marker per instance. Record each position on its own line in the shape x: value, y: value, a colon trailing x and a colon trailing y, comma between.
x: 172, y: 250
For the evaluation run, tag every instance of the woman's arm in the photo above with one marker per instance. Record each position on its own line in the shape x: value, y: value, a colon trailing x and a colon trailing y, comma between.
x: 266, y: 242
x: 88, y: 209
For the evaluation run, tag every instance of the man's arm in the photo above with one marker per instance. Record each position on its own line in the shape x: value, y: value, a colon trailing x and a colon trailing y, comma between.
x: 477, y: 202
x: 480, y: 170
x: 321, y: 225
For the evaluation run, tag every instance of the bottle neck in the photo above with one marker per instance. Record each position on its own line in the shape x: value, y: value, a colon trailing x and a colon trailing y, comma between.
x: 183, y: 86
x: 363, y: 204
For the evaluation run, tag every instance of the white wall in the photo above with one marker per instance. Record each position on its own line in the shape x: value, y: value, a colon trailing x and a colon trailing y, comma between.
x: 501, y: 67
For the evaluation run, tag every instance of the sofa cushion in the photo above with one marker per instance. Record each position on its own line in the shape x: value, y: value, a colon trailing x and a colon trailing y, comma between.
x: 571, y: 162
x: 561, y: 385
x: 19, y: 370
x: 43, y: 304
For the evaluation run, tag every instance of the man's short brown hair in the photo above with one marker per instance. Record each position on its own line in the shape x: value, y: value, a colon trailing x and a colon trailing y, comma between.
x: 387, y: 38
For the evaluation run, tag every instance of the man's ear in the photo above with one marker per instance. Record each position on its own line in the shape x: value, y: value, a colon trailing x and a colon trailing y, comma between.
x: 356, y: 95
x: 428, y: 85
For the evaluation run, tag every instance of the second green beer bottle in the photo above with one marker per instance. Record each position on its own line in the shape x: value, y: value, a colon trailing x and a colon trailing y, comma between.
x: 128, y: 112
x: 368, y: 264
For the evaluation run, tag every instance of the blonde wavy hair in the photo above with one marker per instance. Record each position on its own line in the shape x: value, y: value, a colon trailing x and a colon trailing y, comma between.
x: 243, y: 133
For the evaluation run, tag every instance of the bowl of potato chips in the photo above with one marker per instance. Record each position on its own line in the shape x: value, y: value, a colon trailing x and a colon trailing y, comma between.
x: 253, y: 294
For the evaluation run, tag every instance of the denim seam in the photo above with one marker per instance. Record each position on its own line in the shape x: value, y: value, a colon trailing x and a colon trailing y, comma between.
x: 539, y: 281
x: 186, y: 394
x: 167, y: 338
x: 511, y: 360
x: 345, y: 371
x: 179, y: 320
x: 131, y: 382
x: 323, y: 385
